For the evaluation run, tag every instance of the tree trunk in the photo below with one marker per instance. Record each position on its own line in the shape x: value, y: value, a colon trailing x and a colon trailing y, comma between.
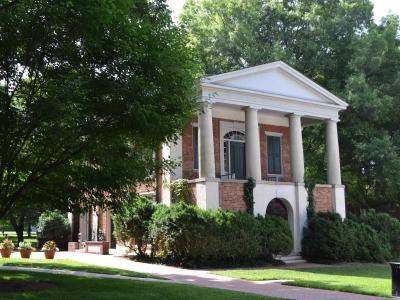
x: 159, y: 176
x: 18, y: 226
x: 29, y: 229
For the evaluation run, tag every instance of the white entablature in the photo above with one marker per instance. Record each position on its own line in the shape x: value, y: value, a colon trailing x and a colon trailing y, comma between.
x: 274, y: 87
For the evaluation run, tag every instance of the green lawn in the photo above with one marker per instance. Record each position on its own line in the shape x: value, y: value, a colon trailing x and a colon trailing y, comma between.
x: 370, y: 279
x: 11, y: 235
x: 66, y: 264
x: 71, y: 287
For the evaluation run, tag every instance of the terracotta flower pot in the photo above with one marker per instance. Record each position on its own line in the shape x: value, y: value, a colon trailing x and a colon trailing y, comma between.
x: 49, y: 254
x: 6, y: 253
x: 25, y: 253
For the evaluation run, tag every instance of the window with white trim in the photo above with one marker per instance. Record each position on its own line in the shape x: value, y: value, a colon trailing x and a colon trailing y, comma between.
x: 274, y: 154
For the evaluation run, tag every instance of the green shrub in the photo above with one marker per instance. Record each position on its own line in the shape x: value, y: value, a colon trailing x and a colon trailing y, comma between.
x: 324, y: 239
x: 329, y: 239
x: 388, y: 229
x: 364, y: 243
x: 131, y: 223
x: 185, y: 234
x: 54, y: 226
x: 276, y: 236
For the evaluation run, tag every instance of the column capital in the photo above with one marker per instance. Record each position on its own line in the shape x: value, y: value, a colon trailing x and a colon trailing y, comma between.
x: 294, y: 115
x: 207, y: 104
x: 332, y: 120
x: 251, y: 108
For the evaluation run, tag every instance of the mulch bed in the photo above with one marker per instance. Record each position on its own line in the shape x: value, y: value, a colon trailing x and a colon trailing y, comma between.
x: 19, y: 286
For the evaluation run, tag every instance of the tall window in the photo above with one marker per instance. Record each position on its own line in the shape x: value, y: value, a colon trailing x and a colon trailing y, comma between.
x: 234, y: 155
x: 195, y: 134
x: 274, y: 155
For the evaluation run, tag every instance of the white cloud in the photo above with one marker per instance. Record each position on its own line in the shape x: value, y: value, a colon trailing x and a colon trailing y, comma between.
x: 384, y: 7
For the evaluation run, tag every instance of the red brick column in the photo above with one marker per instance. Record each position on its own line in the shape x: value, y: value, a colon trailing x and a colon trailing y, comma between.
x: 323, y: 198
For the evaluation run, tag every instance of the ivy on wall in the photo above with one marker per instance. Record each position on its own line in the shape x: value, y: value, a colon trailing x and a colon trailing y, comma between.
x: 309, y: 186
x: 181, y: 191
x: 248, y: 195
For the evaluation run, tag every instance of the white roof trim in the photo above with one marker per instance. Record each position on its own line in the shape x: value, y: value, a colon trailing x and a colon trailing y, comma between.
x: 240, y: 90
x: 279, y: 65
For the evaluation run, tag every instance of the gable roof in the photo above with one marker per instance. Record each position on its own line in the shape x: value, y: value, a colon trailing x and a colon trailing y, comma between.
x: 277, y: 79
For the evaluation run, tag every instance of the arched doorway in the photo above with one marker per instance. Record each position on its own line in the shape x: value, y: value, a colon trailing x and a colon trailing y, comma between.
x: 234, y: 155
x: 277, y: 208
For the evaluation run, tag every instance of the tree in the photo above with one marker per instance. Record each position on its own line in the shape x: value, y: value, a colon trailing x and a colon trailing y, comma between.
x: 88, y: 90
x: 336, y: 44
x: 371, y: 131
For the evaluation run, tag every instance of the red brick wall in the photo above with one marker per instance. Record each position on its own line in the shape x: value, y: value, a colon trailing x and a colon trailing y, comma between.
x: 187, y: 153
x: 285, y: 150
x: 323, y: 198
x: 231, y: 196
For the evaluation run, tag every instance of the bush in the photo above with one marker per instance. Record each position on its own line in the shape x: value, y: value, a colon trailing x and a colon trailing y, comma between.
x: 388, y: 229
x: 53, y: 225
x: 185, y: 234
x: 329, y: 239
x: 325, y: 240
x: 276, y: 236
x: 131, y: 223
x: 364, y: 243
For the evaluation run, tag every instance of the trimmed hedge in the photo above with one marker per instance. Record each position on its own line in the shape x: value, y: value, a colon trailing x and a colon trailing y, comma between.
x: 329, y: 239
x: 187, y: 235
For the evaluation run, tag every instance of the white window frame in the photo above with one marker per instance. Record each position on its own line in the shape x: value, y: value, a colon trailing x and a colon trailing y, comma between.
x: 224, y: 128
x: 276, y: 134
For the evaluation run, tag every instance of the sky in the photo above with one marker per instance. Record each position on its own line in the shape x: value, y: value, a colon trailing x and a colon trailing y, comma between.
x: 381, y: 7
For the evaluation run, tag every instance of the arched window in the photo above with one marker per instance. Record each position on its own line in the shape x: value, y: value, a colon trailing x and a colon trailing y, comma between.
x: 234, y: 135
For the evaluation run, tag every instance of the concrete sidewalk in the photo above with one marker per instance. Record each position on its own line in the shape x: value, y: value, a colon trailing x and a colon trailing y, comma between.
x: 205, y: 279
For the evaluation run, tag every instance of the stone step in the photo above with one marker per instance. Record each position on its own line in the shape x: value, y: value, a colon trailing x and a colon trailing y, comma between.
x: 291, y: 259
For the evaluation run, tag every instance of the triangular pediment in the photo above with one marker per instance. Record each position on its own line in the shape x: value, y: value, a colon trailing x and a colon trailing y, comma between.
x: 275, y: 79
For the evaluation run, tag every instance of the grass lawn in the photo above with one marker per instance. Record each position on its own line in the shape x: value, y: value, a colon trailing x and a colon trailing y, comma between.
x: 12, y: 235
x: 370, y: 279
x: 71, y: 287
x: 66, y: 264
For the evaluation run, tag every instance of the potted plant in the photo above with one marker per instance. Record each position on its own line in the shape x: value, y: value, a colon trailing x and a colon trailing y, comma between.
x: 49, y: 248
x: 25, y: 249
x: 6, y: 248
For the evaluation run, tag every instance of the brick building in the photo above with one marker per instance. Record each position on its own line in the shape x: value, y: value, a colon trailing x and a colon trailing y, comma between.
x: 250, y: 125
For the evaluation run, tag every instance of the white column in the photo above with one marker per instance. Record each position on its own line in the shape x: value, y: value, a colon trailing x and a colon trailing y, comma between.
x: 332, y: 149
x: 296, y: 148
x: 253, y: 160
x: 206, y: 142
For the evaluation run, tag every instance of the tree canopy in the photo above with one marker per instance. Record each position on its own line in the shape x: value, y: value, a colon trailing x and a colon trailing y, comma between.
x: 88, y: 90
x: 337, y: 44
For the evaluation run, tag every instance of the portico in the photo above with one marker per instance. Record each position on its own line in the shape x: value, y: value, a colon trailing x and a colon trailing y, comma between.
x: 250, y: 126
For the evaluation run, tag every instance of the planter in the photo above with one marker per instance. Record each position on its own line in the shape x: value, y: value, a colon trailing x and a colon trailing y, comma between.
x: 49, y: 254
x: 26, y: 253
x: 6, y: 253
x: 98, y: 247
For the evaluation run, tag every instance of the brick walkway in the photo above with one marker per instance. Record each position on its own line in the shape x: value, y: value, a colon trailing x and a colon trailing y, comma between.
x: 205, y: 279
